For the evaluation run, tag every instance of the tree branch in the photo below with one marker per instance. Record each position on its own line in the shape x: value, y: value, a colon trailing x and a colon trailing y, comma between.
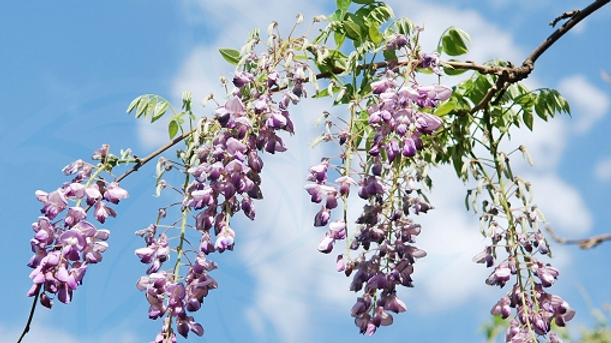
x: 575, y: 19
x: 584, y: 243
x: 509, y: 75
x: 154, y: 154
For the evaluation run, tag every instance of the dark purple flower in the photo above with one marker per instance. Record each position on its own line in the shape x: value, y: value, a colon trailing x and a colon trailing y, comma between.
x: 394, y: 304
x: 499, y: 276
x: 409, y: 147
x: 431, y: 61
x: 326, y: 244
x: 322, y: 217
x: 345, y: 183
x: 318, y: 172
x: 392, y: 150
x: 546, y: 273
x: 396, y: 42
x: 485, y: 257
x: 502, y: 307
x: 241, y: 78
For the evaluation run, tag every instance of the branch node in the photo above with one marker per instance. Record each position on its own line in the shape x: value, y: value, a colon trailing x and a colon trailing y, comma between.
x: 565, y: 15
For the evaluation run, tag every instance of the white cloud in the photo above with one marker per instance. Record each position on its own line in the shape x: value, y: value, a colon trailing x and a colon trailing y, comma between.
x: 590, y: 104
x: 602, y: 171
x: 489, y: 40
x: 564, y: 207
x: 451, y: 237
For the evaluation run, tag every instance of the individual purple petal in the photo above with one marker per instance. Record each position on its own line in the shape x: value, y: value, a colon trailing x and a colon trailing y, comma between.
x: 101, y: 212
x: 340, y: 265
x: 326, y: 245
x: 114, y: 193
x: 502, y: 307
x: 73, y: 167
x: 394, y: 304
x: 74, y: 215
x: 54, y: 202
x: 322, y: 217
x: 427, y: 123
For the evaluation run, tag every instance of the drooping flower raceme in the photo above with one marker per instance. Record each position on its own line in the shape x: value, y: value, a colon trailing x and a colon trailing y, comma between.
x: 222, y: 179
x: 380, y: 253
x: 65, y: 247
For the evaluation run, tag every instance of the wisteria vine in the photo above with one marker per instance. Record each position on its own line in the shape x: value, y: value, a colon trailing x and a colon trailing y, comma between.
x: 391, y: 127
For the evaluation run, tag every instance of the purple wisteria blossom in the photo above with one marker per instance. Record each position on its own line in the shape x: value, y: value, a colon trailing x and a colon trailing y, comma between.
x: 382, y: 254
x: 223, y: 173
x: 65, y: 248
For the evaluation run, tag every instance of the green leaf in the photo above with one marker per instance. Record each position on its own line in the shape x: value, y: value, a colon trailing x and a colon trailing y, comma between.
x: 380, y: 14
x: 150, y: 106
x: 527, y: 116
x: 540, y: 107
x: 231, y: 55
x: 374, y: 34
x: 321, y: 93
x: 141, y: 109
x: 404, y: 26
x: 363, y: 2
x: 338, y: 15
x: 454, y: 42
x: 133, y: 104
x: 160, y: 110
x: 450, y: 71
x: 173, y: 129
x: 390, y: 55
x: 339, y: 39
x: 445, y: 108
x: 353, y: 31
x: 343, y: 5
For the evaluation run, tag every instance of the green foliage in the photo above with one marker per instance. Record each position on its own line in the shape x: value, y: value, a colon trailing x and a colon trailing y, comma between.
x: 343, y: 5
x: 149, y: 106
x: 231, y: 55
x: 454, y: 42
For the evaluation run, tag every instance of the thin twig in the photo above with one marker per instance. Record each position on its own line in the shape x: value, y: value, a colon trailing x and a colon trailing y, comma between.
x: 154, y: 154
x: 26, y: 329
x: 584, y: 243
x: 565, y: 15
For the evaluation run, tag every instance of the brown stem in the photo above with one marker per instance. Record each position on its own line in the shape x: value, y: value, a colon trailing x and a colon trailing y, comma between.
x: 565, y: 15
x: 509, y: 75
x: 26, y: 329
x: 575, y: 19
x: 154, y: 154
x: 584, y: 243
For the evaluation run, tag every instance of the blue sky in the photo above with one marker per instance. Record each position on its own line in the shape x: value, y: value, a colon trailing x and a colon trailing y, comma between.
x: 69, y: 70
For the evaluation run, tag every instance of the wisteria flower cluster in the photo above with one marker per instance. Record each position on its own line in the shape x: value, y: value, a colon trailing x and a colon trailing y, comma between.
x: 398, y: 115
x: 222, y: 179
x: 64, y: 248
x: 535, y: 308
